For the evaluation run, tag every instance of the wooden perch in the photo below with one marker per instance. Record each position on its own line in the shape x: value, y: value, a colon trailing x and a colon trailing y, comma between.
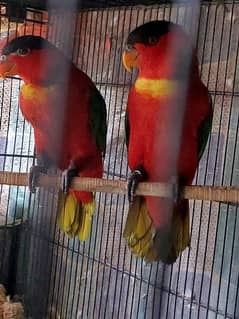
x: 218, y: 193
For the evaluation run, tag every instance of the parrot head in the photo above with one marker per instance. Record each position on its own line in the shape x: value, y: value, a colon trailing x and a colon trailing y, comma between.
x: 33, y: 58
x: 156, y: 48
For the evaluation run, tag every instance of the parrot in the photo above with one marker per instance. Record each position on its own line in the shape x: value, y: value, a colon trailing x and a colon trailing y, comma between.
x: 167, y: 125
x: 68, y: 116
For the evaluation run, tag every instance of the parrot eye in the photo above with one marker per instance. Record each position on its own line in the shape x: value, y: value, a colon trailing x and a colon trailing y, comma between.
x: 152, y: 40
x: 22, y: 51
x: 129, y: 47
x: 3, y: 58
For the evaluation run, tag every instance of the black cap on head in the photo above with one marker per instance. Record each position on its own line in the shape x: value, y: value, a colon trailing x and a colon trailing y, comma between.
x: 148, y: 31
x: 26, y: 42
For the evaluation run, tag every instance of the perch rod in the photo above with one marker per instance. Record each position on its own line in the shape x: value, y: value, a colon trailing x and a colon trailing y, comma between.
x: 222, y: 194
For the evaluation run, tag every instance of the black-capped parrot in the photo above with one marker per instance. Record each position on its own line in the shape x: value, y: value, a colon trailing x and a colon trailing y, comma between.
x: 168, y: 121
x: 68, y: 116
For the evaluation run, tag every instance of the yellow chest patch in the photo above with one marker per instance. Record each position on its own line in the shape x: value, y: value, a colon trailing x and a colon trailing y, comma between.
x: 156, y: 87
x: 35, y: 93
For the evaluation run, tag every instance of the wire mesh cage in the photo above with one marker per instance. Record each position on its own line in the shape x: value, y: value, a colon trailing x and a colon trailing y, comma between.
x: 58, y: 277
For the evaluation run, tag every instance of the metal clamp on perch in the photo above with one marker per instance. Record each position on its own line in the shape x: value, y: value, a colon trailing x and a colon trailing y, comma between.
x: 212, y: 193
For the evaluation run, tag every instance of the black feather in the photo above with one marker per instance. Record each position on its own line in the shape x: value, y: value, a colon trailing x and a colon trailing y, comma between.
x: 26, y: 42
x: 152, y: 29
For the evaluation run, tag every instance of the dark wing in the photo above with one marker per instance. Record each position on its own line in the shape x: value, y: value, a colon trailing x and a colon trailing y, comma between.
x: 127, y: 129
x: 203, y: 133
x: 98, y: 119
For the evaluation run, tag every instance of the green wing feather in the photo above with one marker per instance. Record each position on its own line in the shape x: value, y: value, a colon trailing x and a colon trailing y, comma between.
x: 203, y: 133
x: 98, y: 119
x: 127, y: 130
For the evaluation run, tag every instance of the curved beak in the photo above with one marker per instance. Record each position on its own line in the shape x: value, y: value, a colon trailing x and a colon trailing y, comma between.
x: 130, y: 59
x: 7, y: 67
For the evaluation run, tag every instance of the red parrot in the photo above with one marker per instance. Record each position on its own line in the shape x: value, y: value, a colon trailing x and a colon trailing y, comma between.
x: 168, y: 121
x: 68, y: 116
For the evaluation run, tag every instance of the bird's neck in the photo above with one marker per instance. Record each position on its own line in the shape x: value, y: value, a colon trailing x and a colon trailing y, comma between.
x: 166, y: 81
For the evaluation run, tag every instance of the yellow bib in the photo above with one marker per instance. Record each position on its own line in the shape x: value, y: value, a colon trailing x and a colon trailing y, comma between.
x: 156, y: 87
x: 36, y: 93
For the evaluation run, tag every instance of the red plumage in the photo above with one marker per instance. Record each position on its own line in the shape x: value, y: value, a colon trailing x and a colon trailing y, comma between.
x: 167, y: 108
x: 61, y: 120
x: 68, y: 116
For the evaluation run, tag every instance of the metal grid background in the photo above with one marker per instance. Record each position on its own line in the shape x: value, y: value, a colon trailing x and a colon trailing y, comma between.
x: 62, y: 278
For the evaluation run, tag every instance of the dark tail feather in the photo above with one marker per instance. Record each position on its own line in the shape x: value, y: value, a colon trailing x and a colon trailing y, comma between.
x: 172, y: 241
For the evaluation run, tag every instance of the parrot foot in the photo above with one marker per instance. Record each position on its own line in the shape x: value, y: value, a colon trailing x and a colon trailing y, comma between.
x: 43, y: 160
x: 67, y: 177
x: 177, y: 189
x: 137, y: 176
x: 34, y: 174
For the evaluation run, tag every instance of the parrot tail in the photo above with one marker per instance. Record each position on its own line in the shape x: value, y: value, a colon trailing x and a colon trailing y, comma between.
x: 74, y: 215
x: 151, y: 243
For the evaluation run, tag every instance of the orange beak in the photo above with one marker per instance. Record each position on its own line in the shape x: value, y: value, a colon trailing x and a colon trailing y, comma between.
x: 7, y: 67
x: 130, y: 59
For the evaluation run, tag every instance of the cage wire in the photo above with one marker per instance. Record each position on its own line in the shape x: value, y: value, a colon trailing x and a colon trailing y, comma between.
x: 61, y: 278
